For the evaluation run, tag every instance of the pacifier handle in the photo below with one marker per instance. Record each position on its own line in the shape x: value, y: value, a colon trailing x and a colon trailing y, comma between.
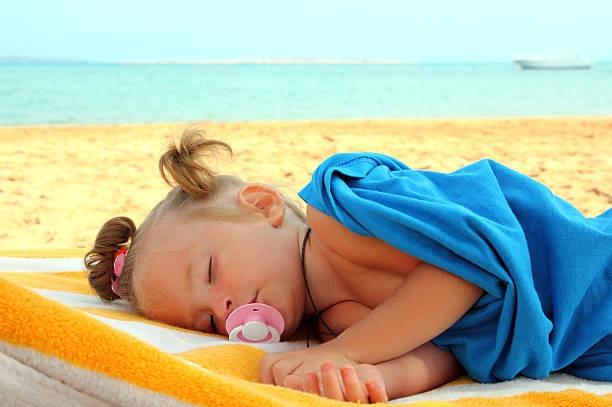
x: 255, y: 323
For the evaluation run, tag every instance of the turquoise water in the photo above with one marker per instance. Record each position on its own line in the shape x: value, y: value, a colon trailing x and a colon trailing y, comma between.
x: 116, y: 93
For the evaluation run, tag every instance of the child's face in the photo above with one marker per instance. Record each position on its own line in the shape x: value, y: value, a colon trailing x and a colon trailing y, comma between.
x: 249, y: 262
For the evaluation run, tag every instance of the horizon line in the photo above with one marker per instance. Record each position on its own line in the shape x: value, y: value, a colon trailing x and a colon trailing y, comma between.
x: 252, y: 61
x: 216, y: 61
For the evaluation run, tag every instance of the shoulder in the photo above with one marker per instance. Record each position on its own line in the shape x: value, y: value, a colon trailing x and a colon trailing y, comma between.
x: 338, y: 237
x: 363, y: 250
x: 332, y: 233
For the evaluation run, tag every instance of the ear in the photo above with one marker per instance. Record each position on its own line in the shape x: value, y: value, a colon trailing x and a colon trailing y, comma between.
x: 265, y: 200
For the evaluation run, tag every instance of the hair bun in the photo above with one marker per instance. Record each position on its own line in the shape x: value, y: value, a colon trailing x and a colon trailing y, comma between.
x: 99, y: 261
x: 184, y: 163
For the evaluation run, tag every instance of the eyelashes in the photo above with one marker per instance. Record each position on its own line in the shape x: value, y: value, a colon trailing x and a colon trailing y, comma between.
x: 212, y: 324
x: 212, y: 318
x: 210, y: 270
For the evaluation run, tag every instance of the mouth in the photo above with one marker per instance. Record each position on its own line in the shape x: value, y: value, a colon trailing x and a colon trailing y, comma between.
x: 254, y: 300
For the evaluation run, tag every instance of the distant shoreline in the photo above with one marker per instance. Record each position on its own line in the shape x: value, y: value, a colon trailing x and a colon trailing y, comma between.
x: 347, y: 121
x: 10, y: 60
x: 216, y: 61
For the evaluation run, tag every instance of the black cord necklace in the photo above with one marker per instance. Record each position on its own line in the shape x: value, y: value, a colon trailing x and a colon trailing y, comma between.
x: 318, y: 315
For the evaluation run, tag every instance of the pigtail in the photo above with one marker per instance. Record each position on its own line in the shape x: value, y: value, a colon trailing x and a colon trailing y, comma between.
x: 113, y: 235
x: 184, y: 163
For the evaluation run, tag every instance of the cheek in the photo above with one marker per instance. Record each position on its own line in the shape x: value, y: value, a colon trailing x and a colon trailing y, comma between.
x: 157, y: 298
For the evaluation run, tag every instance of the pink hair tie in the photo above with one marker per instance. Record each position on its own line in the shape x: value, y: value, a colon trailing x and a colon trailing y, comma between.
x: 118, y: 268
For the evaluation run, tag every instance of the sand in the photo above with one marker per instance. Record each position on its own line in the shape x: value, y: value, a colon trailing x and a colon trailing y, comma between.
x: 58, y: 184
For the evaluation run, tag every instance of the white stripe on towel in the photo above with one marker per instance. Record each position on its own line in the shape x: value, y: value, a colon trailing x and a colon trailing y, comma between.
x: 40, y: 265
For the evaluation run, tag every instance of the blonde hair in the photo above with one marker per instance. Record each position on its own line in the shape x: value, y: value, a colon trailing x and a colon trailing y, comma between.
x: 184, y: 166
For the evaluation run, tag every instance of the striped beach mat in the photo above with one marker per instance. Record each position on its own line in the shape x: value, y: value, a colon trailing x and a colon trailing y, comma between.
x: 61, y: 345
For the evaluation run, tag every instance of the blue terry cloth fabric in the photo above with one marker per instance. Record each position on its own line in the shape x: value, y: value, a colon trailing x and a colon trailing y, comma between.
x: 546, y: 269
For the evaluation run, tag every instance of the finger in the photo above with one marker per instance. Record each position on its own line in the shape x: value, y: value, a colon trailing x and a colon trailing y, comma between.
x: 283, y: 368
x: 377, y: 392
x: 294, y: 382
x: 352, y: 386
x: 265, y: 368
x: 311, y: 383
x: 331, y: 384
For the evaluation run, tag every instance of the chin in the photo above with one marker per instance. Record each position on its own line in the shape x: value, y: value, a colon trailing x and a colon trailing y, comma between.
x: 285, y: 308
x: 288, y: 333
x: 290, y: 325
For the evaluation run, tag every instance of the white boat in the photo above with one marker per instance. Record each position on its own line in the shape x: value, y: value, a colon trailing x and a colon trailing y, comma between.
x: 553, y: 63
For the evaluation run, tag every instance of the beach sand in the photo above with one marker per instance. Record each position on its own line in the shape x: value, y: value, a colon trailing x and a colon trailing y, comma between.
x: 59, y: 184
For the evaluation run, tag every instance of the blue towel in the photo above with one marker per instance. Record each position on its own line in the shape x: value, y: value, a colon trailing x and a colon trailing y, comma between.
x: 546, y: 269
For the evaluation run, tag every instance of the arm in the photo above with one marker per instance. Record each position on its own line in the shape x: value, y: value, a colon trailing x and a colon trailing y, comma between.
x: 428, y: 302
x: 420, y: 370
x: 417, y: 371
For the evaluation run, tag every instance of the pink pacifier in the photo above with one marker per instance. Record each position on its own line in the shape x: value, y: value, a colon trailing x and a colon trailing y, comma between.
x: 255, y: 323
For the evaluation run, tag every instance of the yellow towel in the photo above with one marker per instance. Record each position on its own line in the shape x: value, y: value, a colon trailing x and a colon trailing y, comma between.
x: 89, y: 352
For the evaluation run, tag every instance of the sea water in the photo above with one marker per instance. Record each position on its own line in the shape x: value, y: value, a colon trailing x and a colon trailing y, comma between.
x: 131, y: 93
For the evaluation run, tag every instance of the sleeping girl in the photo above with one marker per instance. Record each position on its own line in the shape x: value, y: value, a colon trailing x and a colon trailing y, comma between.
x: 411, y: 277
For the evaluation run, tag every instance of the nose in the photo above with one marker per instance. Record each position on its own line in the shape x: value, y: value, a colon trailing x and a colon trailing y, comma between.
x: 223, y: 308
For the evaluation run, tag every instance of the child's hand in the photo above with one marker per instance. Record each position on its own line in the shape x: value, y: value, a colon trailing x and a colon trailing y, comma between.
x: 275, y: 367
x: 360, y: 384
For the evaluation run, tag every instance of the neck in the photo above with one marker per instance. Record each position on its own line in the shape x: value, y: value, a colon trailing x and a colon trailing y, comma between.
x: 325, y: 285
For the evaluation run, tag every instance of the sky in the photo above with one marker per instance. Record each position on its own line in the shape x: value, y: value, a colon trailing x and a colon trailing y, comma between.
x: 412, y: 31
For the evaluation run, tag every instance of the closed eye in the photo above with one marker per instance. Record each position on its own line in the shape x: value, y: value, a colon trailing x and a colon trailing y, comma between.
x: 210, y: 270
x: 212, y: 318
x: 212, y: 324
